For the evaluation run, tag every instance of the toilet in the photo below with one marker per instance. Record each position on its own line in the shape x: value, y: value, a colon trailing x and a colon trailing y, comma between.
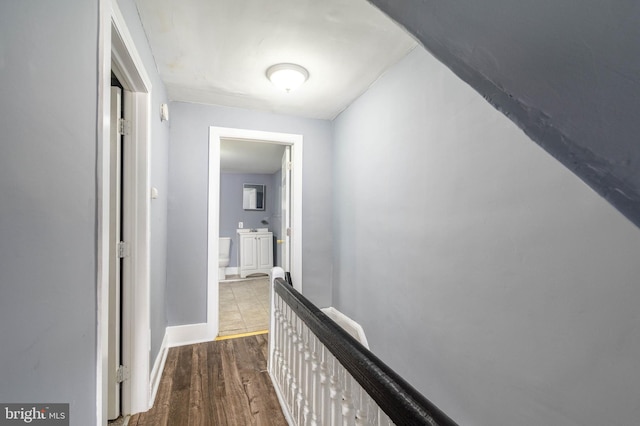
x: 224, y: 246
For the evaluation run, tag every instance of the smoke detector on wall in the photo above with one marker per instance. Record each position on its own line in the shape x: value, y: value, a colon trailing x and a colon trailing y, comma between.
x: 164, y: 112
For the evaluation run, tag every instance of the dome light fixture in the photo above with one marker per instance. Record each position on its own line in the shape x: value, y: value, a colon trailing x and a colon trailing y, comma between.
x: 287, y: 77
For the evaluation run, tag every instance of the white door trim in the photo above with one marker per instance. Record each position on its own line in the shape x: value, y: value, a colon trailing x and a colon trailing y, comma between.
x: 213, y: 231
x: 117, y: 51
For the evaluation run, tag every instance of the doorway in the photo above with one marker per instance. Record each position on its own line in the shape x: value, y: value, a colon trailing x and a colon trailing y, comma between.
x: 254, y: 204
x: 119, y: 56
x: 294, y: 142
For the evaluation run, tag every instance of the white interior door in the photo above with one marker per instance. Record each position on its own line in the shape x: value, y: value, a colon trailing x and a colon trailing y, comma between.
x: 115, y: 226
x: 285, y: 239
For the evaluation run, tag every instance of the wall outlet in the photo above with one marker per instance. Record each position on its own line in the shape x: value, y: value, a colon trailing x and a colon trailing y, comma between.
x: 240, y: 225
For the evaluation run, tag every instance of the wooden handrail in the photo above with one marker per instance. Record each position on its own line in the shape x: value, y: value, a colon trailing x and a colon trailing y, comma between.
x: 398, y: 399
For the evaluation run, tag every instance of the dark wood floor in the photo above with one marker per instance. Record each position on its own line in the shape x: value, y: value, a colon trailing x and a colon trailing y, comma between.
x: 215, y: 383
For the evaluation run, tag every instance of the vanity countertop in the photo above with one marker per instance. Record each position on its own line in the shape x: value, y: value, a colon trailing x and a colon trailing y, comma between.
x: 245, y: 230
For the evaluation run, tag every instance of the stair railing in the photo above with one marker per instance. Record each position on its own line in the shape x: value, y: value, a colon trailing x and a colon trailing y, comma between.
x: 323, y: 376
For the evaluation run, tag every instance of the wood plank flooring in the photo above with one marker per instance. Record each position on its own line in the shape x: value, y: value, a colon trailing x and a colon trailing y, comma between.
x: 216, y: 383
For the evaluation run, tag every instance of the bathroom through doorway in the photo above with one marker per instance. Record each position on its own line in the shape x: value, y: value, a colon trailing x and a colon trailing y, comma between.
x: 254, y: 205
x: 263, y: 160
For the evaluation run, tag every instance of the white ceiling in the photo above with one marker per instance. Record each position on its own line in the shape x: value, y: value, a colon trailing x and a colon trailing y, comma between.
x: 245, y: 156
x: 217, y: 51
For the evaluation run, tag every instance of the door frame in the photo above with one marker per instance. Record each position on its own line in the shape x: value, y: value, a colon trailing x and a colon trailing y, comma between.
x: 117, y: 52
x: 213, y: 225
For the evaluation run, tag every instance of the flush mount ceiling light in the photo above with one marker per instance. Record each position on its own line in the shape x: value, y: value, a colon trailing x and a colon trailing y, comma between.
x: 287, y: 76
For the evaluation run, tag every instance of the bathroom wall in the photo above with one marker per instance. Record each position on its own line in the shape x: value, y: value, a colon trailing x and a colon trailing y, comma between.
x: 232, y: 212
x: 482, y: 269
x: 187, y: 221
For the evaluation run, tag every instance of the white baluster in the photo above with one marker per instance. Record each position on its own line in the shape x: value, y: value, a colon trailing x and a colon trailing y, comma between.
x: 362, y: 404
x: 299, y: 348
x: 371, y: 409
x: 283, y: 346
x: 335, y: 393
x: 287, y: 356
x: 302, y: 376
x: 306, y: 376
x: 293, y: 365
x: 348, y: 414
x: 324, y: 413
x: 281, y: 342
x: 276, y: 364
x: 315, y: 380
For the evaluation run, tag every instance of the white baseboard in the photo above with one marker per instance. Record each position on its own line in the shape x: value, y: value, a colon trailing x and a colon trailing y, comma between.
x: 189, y: 334
x: 232, y: 270
x: 283, y: 402
x: 158, y: 367
x: 175, y: 336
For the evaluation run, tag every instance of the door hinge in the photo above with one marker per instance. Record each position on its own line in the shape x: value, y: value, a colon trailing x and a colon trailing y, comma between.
x: 289, y: 165
x: 123, y: 249
x: 288, y: 232
x: 122, y: 374
x: 124, y: 126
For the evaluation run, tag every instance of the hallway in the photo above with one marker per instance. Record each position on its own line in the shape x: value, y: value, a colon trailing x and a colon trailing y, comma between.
x: 216, y: 383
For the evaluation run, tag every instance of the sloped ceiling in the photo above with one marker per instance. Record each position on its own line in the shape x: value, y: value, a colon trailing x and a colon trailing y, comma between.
x: 566, y: 71
x: 217, y: 52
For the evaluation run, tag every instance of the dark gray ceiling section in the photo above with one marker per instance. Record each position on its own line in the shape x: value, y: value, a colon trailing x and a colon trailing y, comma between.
x: 566, y: 71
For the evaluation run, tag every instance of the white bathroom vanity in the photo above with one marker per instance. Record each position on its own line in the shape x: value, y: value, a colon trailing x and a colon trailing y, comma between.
x: 255, y: 252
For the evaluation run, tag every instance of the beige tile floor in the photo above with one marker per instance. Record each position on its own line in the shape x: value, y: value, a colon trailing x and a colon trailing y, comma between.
x: 244, y: 306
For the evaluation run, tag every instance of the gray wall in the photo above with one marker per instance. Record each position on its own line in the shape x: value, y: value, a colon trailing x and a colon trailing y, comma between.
x: 231, y: 211
x: 48, y: 70
x: 188, y: 174
x: 481, y: 269
x: 159, y: 180
x: 48, y: 114
x: 564, y: 71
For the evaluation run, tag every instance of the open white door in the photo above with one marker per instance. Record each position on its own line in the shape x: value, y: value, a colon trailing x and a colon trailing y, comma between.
x: 118, y: 55
x: 113, y: 410
x: 284, y: 243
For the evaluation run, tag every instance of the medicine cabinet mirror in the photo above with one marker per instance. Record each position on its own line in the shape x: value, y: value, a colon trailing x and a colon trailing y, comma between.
x: 253, y: 196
